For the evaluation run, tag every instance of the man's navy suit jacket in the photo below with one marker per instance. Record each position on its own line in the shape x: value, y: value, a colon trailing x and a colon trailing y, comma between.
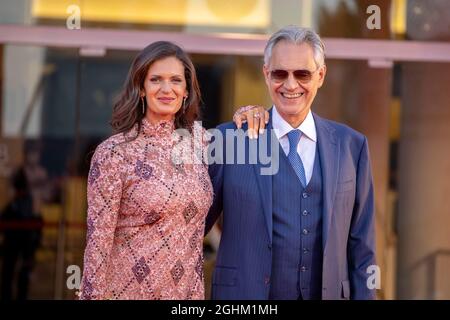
x: 244, y: 258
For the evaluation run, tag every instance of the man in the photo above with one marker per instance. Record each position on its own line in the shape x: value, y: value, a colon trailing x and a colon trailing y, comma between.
x: 307, y: 230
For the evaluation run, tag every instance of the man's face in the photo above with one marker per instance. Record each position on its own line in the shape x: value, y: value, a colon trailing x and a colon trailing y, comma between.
x: 293, y: 92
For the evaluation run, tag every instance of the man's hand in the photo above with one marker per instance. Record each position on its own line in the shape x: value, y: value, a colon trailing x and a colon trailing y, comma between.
x: 256, y: 116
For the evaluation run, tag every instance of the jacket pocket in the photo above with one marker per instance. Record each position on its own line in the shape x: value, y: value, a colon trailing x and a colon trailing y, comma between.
x: 224, y: 276
x: 346, y: 289
x: 345, y: 186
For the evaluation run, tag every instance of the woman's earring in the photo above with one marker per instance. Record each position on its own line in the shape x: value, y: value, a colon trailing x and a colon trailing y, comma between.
x: 184, y: 104
x: 143, y: 106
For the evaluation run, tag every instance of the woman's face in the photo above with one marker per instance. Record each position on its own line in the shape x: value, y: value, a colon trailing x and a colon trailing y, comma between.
x: 164, y: 89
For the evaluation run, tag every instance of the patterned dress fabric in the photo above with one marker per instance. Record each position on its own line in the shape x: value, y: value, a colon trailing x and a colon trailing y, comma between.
x: 145, y: 219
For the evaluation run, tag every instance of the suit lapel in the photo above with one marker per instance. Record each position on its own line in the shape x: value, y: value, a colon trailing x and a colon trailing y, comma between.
x: 329, y: 160
x: 265, y: 181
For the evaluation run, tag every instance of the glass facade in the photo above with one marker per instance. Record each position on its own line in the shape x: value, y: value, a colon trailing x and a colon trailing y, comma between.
x: 398, y: 19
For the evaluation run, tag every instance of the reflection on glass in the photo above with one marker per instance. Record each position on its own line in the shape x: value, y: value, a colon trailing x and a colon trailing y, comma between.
x: 399, y: 19
x: 36, y: 143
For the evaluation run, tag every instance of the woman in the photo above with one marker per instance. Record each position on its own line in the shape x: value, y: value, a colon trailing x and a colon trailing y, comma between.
x: 146, y: 214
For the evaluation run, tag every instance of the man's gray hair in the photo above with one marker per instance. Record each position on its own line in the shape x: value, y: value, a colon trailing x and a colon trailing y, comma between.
x: 297, y: 35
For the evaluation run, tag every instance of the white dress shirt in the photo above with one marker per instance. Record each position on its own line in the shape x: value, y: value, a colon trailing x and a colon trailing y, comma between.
x: 306, y: 147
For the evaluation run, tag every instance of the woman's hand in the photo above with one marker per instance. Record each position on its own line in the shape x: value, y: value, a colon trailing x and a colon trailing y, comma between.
x: 256, y: 116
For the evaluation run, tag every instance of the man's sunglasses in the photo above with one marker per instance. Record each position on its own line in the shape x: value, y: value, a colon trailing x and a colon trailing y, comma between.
x: 300, y: 75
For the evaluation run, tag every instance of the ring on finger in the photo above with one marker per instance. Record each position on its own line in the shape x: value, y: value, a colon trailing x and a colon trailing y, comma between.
x: 256, y: 115
x: 245, y: 109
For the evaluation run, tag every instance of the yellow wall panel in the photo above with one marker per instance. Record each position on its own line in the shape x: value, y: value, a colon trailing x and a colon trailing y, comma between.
x: 243, y: 13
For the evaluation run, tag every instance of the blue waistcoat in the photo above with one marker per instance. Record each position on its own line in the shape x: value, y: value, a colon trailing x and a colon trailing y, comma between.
x: 297, y: 233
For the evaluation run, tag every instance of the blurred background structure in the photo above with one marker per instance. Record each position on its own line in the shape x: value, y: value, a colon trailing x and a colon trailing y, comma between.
x: 58, y: 82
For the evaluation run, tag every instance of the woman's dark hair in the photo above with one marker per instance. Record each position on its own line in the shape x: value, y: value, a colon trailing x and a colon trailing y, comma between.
x: 127, y: 110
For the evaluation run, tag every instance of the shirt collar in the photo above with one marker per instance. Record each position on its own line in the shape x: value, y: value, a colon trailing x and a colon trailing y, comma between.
x: 282, y: 127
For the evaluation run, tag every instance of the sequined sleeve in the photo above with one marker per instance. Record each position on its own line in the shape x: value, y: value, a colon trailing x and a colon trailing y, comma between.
x: 104, y: 192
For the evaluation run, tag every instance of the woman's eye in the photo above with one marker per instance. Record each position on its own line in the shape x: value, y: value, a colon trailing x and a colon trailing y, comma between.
x: 176, y: 80
x: 154, y: 80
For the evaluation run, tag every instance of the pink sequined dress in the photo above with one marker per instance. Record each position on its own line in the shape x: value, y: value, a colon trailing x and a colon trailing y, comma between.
x: 145, y: 220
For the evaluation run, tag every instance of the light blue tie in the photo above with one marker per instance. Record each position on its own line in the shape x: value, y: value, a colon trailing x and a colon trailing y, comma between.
x: 294, y: 157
